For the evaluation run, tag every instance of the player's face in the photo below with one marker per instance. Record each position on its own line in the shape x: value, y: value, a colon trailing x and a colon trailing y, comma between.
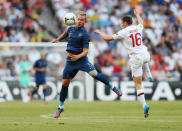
x: 124, y: 24
x: 42, y: 55
x: 80, y: 22
x: 24, y: 58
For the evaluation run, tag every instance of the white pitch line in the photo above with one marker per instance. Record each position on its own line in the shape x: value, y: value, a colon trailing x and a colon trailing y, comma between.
x: 129, y: 118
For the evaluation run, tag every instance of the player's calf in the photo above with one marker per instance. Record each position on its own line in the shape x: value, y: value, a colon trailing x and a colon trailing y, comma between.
x: 101, y: 77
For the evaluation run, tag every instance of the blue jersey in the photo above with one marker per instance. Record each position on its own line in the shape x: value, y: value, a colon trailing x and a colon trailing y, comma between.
x: 77, y: 39
x: 40, y: 64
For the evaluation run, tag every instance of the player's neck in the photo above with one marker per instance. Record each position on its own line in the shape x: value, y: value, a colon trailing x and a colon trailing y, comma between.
x: 127, y: 26
x: 78, y: 28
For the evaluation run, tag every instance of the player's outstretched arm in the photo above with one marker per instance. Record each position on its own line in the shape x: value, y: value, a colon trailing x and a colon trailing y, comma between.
x: 139, y: 19
x: 105, y: 37
x: 62, y: 36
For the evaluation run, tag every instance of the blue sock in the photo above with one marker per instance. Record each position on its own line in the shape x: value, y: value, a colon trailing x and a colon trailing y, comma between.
x: 44, y: 92
x: 101, y: 77
x: 63, y: 93
x: 110, y: 85
x: 61, y: 103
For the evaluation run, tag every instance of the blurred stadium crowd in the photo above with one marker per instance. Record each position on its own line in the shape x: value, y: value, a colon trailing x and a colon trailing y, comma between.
x: 19, y: 21
x: 162, y: 34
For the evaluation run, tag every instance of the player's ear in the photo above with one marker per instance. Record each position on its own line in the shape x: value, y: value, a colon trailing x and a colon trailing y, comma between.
x: 87, y: 19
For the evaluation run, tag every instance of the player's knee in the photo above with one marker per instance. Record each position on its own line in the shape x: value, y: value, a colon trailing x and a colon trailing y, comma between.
x: 100, y: 76
x: 138, y: 86
x: 65, y: 82
x: 93, y: 74
x: 37, y: 88
x: 44, y: 86
x: 138, y: 82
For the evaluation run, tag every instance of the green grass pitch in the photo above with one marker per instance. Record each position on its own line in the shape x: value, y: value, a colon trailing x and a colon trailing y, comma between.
x: 91, y: 116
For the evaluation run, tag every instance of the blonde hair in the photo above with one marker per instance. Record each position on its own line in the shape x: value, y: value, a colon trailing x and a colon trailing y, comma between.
x: 83, y: 13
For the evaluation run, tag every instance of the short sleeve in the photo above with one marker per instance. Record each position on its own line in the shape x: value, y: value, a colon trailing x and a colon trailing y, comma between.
x: 119, y: 35
x: 45, y: 63
x: 35, y: 64
x: 86, y: 40
x: 29, y: 66
x: 21, y: 67
x: 140, y: 27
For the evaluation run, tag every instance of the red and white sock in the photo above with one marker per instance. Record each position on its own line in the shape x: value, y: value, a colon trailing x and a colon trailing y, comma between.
x: 141, y: 96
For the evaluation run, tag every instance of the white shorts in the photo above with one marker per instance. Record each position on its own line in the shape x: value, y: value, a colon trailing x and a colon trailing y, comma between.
x: 136, y: 62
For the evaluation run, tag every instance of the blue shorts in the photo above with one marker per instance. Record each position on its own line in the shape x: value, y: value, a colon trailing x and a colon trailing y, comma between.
x: 40, y: 81
x: 71, y: 68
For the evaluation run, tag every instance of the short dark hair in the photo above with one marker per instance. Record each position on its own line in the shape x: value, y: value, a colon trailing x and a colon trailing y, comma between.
x: 128, y: 19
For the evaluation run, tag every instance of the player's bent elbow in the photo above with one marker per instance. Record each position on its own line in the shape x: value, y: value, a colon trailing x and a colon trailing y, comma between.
x: 85, y: 50
x: 85, y: 53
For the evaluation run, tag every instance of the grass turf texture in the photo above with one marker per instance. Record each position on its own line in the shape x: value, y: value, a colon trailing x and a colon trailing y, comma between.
x: 106, y: 116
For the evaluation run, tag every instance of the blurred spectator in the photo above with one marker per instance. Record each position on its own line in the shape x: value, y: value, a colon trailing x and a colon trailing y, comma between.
x: 16, y: 25
x: 4, y: 71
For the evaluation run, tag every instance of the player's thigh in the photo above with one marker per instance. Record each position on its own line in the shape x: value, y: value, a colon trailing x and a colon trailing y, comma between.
x: 69, y: 71
x: 66, y: 82
x: 44, y: 86
x: 135, y: 63
x: 136, y: 71
x: 87, y: 67
x: 146, y: 57
x: 138, y: 82
x: 42, y: 81
x: 93, y: 73
x: 24, y: 82
x: 38, y: 83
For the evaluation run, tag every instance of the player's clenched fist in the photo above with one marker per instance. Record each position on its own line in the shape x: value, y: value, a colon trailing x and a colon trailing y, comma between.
x: 136, y: 12
x: 75, y: 57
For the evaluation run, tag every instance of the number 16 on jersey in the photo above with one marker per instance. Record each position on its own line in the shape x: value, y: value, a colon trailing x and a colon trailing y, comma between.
x: 136, y: 39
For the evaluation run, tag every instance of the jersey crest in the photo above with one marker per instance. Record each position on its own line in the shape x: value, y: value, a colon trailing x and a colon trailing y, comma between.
x: 80, y: 35
x: 70, y: 33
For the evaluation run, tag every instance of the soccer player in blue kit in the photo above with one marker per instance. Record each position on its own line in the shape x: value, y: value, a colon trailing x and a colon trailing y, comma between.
x: 77, y: 48
x: 40, y: 76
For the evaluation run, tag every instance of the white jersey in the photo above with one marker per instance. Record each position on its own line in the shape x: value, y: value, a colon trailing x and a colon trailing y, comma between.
x: 132, y: 39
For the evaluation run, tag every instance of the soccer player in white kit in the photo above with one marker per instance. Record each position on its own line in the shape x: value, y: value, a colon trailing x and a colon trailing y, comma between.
x: 138, y: 54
